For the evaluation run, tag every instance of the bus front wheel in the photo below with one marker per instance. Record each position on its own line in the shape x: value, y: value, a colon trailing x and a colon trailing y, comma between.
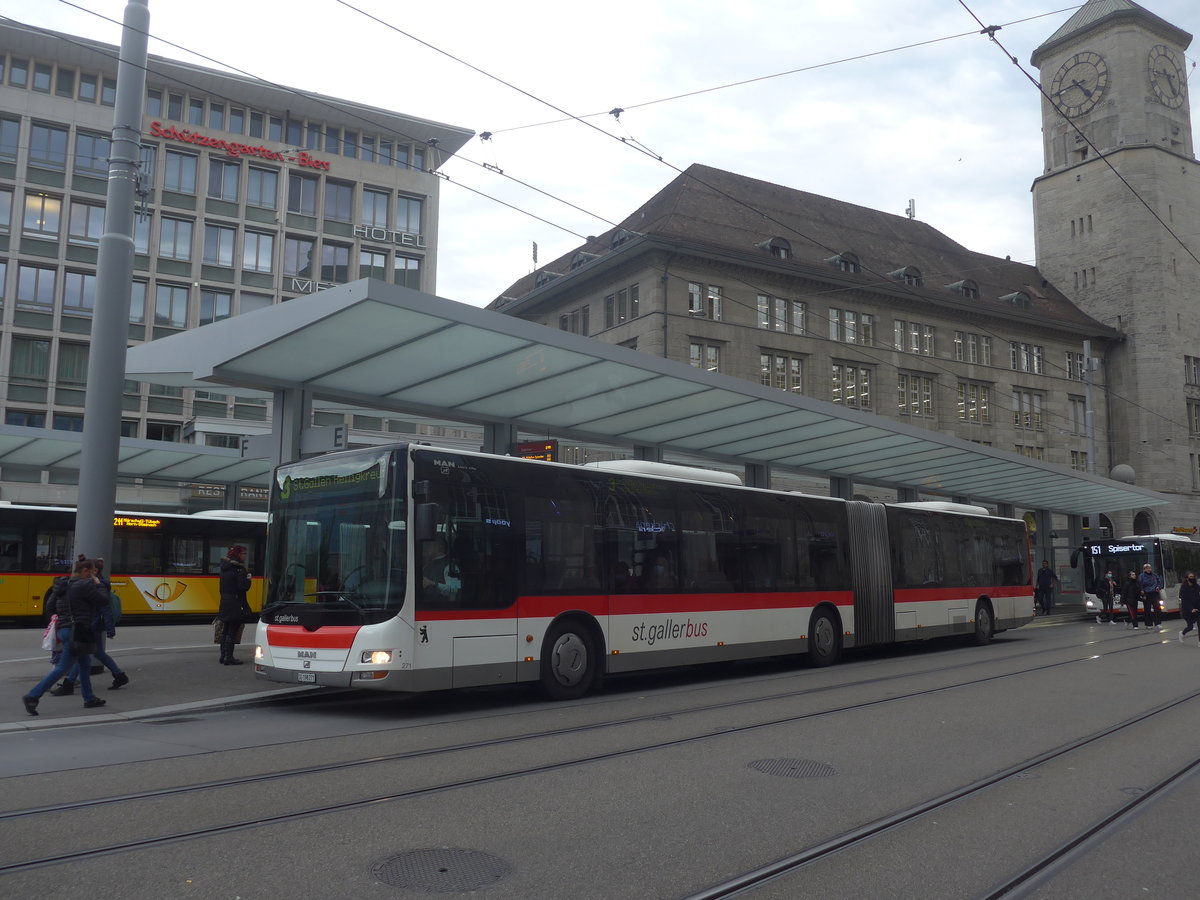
x: 985, y: 625
x: 568, y: 661
x: 824, y: 640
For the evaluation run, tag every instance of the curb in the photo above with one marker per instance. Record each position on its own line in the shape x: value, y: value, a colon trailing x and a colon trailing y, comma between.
x: 37, y: 723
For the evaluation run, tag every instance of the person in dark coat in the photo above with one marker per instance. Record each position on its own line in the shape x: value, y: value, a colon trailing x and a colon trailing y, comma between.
x: 83, y: 601
x: 1106, y: 590
x: 235, y: 610
x: 1189, y: 602
x: 1131, y: 594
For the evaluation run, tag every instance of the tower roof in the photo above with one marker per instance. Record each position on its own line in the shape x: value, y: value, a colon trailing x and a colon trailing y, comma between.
x: 1095, y: 13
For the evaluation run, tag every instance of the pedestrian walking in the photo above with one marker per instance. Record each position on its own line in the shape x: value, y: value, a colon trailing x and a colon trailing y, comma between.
x: 1189, y: 602
x: 82, y: 602
x: 1151, y: 584
x: 234, y: 611
x: 104, y: 627
x: 1043, y: 595
x: 1131, y: 595
x: 1106, y: 589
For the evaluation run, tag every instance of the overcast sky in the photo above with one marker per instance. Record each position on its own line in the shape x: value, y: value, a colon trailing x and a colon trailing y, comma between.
x: 884, y: 101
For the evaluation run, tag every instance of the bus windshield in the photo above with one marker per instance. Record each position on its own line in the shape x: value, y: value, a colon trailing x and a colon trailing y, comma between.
x: 1119, y: 557
x: 337, y: 532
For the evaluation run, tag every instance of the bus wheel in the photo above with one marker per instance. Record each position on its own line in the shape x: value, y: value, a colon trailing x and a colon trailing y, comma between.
x: 568, y: 661
x: 824, y: 641
x: 985, y: 625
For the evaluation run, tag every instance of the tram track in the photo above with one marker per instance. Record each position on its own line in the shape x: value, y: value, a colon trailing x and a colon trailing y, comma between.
x: 259, y: 821
x: 1019, y: 883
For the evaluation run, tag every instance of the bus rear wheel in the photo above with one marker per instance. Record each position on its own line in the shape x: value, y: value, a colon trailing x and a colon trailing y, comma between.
x: 568, y: 661
x: 985, y: 625
x: 824, y: 640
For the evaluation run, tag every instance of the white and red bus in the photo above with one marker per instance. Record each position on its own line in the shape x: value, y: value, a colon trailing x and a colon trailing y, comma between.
x: 414, y: 568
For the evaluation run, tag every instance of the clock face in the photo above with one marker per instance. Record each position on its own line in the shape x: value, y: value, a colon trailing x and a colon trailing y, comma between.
x: 1080, y: 84
x: 1167, y: 77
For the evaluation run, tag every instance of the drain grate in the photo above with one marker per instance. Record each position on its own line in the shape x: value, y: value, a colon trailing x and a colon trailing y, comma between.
x: 794, y: 768
x: 447, y: 870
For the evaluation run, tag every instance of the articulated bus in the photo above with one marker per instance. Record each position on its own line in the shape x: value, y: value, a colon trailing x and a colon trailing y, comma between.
x: 163, y: 566
x: 413, y: 568
x: 1172, y: 556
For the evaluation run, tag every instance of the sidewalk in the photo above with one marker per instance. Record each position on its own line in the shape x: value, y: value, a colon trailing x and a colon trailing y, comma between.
x: 171, y: 671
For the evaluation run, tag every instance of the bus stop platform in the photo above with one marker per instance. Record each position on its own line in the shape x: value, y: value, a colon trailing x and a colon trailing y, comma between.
x: 173, y: 669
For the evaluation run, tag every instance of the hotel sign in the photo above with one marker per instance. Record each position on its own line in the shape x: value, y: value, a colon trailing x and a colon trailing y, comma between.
x: 387, y: 235
x: 236, y: 149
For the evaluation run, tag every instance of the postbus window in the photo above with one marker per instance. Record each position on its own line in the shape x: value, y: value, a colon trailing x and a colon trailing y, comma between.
x: 54, y: 551
x: 185, y: 555
x: 218, y: 547
x: 136, y: 552
x: 10, y: 550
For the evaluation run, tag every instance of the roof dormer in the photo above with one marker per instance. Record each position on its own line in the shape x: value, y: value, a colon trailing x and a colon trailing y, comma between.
x: 966, y: 287
x: 545, y: 277
x: 1019, y: 299
x: 909, y: 275
x: 780, y: 248
x: 582, y: 258
x: 846, y: 262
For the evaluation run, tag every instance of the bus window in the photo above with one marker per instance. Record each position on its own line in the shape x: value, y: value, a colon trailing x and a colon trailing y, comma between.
x: 185, y: 555
x: 54, y: 551
x: 709, y: 528
x: 767, y: 546
x: 10, y: 550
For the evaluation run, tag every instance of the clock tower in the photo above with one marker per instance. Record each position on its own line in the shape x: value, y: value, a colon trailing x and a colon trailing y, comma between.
x: 1117, y: 229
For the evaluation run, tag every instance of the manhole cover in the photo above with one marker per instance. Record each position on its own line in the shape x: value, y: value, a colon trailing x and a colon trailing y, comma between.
x: 442, y: 871
x: 794, y: 768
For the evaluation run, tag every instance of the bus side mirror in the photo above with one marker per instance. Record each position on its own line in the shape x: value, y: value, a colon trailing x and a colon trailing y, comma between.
x: 425, y: 522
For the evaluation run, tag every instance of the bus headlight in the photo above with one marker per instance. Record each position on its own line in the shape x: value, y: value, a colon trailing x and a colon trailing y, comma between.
x: 377, y: 657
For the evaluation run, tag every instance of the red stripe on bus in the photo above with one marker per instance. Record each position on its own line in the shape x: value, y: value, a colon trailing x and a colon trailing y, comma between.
x: 330, y: 637
x: 640, y: 604
x: 937, y: 595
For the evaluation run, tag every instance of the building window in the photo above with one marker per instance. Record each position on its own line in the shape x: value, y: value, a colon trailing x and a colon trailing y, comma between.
x: 162, y: 431
x: 915, y: 395
x: 974, y: 402
x: 1027, y: 410
x: 576, y: 321
x: 779, y: 314
x: 79, y: 293
x: 781, y: 371
x: 302, y: 195
x: 1030, y: 451
x: 406, y: 271
x: 195, y: 111
x: 88, y: 92
x: 262, y: 187
x: 298, y: 257
x: 705, y: 356
x: 18, y: 72
x: 1076, y: 415
x: 10, y: 138
x: 48, y: 147
x: 25, y: 418
x: 372, y: 264
x: 1079, y: 460
x: 216, y: 116
x: 175, y: 239
x: 43, y: 215
x: 86, y: 223
x: 42, y: 73
x: 335, y: 263
x: 214, y: 306
x: 1191, y: 369
x: 219, y: 242
x: 137, y: 303
x: 223, y: 178
x: 180, y: 172
x: 850, y: 385
x: 30, y: 361
x: 35, y: 288
x: 972, y: 348
x: 6, y: 198
x: 704, y: 301
x: 91, y: 154
x: 72, y: 364
x: 339, y: 201
x: 1193, y: 414
x: 1075, y: 367
x: 258, y: 250
x: 1026, y: 357
x: 333, y: 140
x: 915, y: 337
x: 175, y: 107
x: 375, y: 208
x: 408, y: 214
x: 170, y: 306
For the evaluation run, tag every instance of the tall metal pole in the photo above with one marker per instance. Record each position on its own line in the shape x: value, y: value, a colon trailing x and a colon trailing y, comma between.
x: 114, y: 280
x: 1090, y: 426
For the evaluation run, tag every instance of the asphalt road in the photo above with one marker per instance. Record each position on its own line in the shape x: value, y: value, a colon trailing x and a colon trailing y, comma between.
x: 1057, y: 762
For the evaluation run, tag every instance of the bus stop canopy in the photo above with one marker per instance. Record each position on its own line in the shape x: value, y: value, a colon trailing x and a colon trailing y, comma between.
x: 380, y: 346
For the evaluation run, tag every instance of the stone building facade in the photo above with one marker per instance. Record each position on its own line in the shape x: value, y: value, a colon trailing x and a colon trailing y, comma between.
x: 809, y: 294
x: 1117, y: 214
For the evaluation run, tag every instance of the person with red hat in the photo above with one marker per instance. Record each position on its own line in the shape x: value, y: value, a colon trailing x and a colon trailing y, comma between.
x: 234, y: 610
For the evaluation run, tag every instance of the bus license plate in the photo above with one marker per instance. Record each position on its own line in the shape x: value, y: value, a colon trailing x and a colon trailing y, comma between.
x: 306, y: 677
